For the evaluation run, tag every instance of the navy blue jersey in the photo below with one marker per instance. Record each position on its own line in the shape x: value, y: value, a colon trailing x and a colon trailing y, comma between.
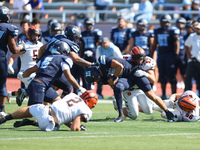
x: 50, y: 67
x: 22, y: 36
x: 5, y: 31
x: 90, y: 40
x: 46, y: 36
x: 182, y: 41
x: 59, y: 37
x: 165, y: 39
x: 142, y: 40
x: 120, y: 37
x: 105, y: 67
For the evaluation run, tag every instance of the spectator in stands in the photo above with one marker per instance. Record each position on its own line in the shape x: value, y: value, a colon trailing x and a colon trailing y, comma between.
x: 102, y: 5
x: 147, y: 8
x: 121, y: 35
x: 19, y: 4
x: 36, y: 22
x: 186, y: 7
x: 192, y: 47
x: 37, y: 5
x: 195, y: 6
x: 106, y: 48
x: 24, y: 24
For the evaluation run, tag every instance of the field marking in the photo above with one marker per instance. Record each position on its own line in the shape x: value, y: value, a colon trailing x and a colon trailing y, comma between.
x: 101, y: 136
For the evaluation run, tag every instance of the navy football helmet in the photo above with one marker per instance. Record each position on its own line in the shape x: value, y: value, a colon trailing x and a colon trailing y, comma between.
x: 50, y: 21
x: 55, y: 26
x: 92, y: 73
x: 89, y: 24
x: 5, y: 14
x: 179, y: 21
x: 143, y: 23
x: 72, y: 32
x: 60, y: 48
x: 165, y: 21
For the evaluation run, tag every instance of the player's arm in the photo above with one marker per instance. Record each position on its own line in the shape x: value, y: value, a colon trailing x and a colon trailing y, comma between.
x: 151, y: 43
x: 176, y: 44
x: 41, y: 50
x: 12, y: 45
x: 29, y: 71
x: 11, y: 61
x: 151, y: 77
x: 154, y: 46
x: 79, y: 61
x: 71, y: 79
x: 188, y: 52
x: 75, y: 125
x: 128, y: 47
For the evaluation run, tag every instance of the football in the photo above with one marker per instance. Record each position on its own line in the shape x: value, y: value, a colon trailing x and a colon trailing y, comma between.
x: 186, y: 103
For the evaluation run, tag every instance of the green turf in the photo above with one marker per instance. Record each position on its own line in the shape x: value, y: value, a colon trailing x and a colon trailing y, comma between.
x: 148, y: 132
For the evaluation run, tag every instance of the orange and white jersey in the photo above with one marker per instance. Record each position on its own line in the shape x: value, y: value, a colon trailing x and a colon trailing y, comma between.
x: 69, y: 108
x: 28, y: 59
x: 147, y: 65
x: 192, y: 115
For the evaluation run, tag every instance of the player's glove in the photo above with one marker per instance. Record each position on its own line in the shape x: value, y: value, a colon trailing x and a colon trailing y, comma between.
x: 141, y: 73
x: 83, y: 128
x: 81, y: 90
x: 19, y: 75
x: 88, y: 53
x: 170, y: 115
x: 172, y: 102
x: 22, y: 46
x: 10, y: 69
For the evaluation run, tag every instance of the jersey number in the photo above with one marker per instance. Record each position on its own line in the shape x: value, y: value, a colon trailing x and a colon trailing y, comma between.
x: 71, y: 102
x: 46, y: 62
x: 35, y: 54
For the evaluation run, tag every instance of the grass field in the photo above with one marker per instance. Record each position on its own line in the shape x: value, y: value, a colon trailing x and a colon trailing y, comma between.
x: 148, y: 132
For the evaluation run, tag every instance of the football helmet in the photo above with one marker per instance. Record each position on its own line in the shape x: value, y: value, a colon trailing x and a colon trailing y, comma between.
x: 60, y: 48
x: 137, y: 53
x: 143, y: 23
x: 188, y: 24
x: 50, y: 21
x: 55, y: 26
x: 91, y: 74
x: 90, y: 98
x: 89, y: 24
x: 179, y: 21
x: 78, y: 24
x: 33, y: 31
x: 165, y: 21
x: 186, y: 103
x: 5, y: 14
x: 73, y: 32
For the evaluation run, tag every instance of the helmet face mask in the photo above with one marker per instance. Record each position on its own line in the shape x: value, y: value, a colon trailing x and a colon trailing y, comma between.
x: 138, y: 55
x: 142, y: 25
x: 55, y: 27
x: 33, y: 31
x: 73, y: 33
x: 165, y: 22
x: 5, y: 14
x: 89, y: 24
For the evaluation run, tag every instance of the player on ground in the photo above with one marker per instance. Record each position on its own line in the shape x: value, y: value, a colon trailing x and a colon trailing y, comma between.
x: 71, y: 111
x: 173, y: 103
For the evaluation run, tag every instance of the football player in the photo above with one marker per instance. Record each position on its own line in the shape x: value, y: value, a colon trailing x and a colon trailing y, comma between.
x: 142, y: 37
x: 168, y: 42
x: 71, y: 111
x: 126, y: 71
x: 28, y: 58
x: 7, y: 34
x: 134, y: 95
x: 181, y: 115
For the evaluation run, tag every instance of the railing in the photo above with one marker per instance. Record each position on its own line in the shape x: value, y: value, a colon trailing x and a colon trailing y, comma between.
x: 68, y: 12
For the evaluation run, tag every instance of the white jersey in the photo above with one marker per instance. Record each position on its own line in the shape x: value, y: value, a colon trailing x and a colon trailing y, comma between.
x: 192, y: 115
x: 69, y: 108
x: 28, y: 59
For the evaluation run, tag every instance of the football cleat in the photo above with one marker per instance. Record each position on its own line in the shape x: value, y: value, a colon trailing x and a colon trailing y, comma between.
x: 3, y: 114
x: 21, y: 95
x: 24, y: 122
x: 119, y: 119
